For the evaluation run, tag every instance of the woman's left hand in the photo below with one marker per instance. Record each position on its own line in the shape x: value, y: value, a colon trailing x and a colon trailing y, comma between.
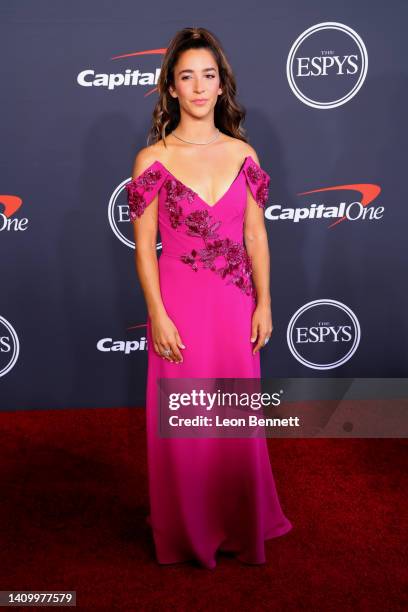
x: 261, y: 325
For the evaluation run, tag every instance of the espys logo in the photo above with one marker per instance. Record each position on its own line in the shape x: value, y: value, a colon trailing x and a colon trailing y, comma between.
x: 9, y: 222
x: 327, y: 65
x: 127, y: 78
x: 118, y: 216
x: 323, y: 334
x: 355, y: 210
x: 9, y: 346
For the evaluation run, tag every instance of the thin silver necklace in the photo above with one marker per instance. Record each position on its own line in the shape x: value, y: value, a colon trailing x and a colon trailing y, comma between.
x: 197, y: 143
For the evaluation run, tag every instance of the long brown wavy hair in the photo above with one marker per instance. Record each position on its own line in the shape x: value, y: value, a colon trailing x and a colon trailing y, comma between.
x: 229, y: 115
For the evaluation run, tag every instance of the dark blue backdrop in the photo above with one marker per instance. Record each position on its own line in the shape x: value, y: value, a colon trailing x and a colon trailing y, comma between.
x: 325, y: 90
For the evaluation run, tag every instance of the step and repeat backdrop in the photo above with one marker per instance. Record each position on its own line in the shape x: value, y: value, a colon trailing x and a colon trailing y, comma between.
x: 325, y: 88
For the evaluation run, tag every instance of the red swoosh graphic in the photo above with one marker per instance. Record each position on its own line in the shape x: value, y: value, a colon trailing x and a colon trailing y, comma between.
x: 136, y: 326
x: 148, y: 52
x: 11, y: 204
x: 368, y: 191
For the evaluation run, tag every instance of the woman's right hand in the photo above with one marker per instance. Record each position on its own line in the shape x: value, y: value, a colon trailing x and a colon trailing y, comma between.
x: 165, y: 336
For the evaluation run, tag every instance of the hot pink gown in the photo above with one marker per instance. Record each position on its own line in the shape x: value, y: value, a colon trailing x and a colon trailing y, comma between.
x: 208, y: 494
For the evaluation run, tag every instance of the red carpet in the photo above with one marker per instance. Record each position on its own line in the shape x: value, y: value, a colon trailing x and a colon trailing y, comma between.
x: 74, y: 498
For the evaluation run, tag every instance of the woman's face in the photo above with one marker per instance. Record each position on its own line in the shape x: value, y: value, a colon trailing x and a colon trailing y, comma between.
x: 196, y: 82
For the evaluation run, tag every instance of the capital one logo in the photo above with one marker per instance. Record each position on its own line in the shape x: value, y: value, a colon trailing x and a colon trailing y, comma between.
x: 327, y: 65
x: 127, y: 77
x: 118, y: 216
x: 10, y: 221
x: 9, y: 346
x: 323, y: 334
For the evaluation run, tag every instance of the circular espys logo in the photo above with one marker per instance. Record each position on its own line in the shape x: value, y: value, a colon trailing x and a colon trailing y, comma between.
x: 118, y: 216
x: 9, y: 346
x: 327, y: 65
x: 323, y: 334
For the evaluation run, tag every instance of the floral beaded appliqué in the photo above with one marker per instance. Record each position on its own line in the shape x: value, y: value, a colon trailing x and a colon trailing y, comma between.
x: 260, y: 179
x: 236, y: 267
x: 236, y: 264
x: 176, y: 191
x: 199, y: 224
x: 136, y: 200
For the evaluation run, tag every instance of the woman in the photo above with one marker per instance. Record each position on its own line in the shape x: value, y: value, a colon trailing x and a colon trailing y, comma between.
x: 209, y: 309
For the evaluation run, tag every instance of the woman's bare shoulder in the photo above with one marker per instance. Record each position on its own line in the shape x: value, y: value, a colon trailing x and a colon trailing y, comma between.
x: 145, y: 157
x: 242, y: 149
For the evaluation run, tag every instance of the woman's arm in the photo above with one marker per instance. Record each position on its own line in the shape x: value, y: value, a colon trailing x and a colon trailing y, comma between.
x: 164, y: 332
x: 256, y: 243
x: 145, y: 230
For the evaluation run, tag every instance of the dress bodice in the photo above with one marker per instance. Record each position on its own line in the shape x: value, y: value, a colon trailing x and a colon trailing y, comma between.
x: 198, y: 234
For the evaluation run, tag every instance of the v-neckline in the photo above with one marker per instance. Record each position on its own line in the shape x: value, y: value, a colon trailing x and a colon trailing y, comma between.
x: 224, y: 195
